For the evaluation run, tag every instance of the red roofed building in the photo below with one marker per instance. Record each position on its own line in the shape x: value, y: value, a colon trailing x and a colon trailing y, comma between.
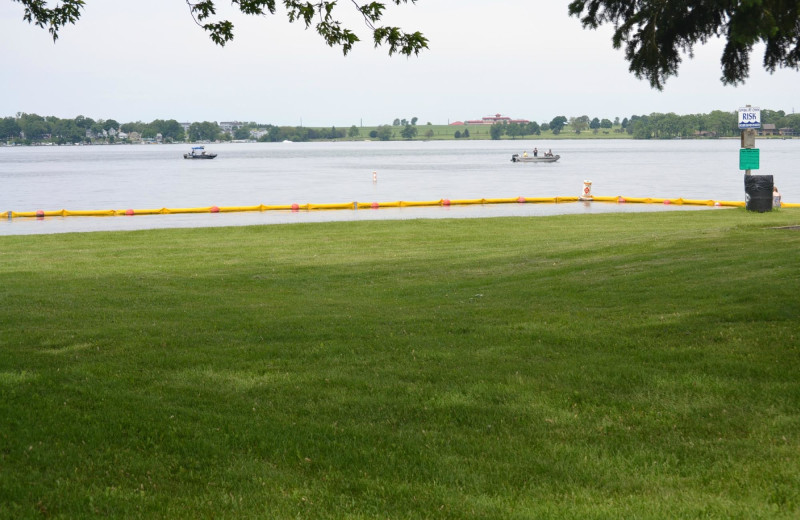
x: 490, y: 120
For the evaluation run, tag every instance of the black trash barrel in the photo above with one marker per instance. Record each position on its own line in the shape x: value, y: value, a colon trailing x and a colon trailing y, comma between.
x: 758, y: 192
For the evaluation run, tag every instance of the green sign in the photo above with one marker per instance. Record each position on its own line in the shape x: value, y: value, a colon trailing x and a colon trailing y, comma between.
x: 748, y: 158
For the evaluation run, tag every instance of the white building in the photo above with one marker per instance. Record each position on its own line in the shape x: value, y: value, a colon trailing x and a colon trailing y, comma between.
x: 229, y: 126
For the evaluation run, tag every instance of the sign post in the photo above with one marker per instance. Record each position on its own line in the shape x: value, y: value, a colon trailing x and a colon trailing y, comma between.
x: 757, y: 188
x: 749, y: 120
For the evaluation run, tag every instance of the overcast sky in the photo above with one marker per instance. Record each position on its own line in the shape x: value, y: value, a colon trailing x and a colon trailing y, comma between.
x: 148, y: 60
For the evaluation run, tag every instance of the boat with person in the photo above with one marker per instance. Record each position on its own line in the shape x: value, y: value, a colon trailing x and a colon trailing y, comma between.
x: 525, y: 157
x: 199, y: 152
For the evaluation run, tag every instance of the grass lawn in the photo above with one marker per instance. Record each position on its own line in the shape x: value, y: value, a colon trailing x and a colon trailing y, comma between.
x: 593, y: 366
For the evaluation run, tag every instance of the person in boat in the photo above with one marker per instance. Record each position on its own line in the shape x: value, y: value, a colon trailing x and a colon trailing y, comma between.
x: 535, y: 152
x: 549, y: 153
x: 524, y: 154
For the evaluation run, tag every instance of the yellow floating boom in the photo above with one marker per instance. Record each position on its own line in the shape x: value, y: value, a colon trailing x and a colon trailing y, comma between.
x: 378, y: 205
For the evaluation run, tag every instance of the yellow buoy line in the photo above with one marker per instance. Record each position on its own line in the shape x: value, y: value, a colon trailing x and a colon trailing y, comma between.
x: 375, y: 205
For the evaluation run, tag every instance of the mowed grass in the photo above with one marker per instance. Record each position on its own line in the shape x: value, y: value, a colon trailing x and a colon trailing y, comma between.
x: 599, y: 366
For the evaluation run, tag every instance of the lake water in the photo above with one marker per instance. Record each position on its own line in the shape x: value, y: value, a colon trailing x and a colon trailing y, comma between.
x: 249, y: 174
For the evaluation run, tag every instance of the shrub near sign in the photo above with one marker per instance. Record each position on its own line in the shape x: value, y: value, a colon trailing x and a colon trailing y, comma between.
x: 749, y: 117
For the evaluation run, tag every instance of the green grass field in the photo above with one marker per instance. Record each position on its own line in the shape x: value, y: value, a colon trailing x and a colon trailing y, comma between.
x: 595, y: 366
x: 481, y: 132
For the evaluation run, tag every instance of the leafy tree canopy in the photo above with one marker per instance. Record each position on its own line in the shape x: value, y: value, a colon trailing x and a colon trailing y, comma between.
x: 578, y: 124
x: 205, y: 131
x: 409, y: 132
x: 557, y: 124
x: 241, y: 133
x: 656, y: 33
x: 9, y: 128
x: 384, y: 132
x: 321, y: 14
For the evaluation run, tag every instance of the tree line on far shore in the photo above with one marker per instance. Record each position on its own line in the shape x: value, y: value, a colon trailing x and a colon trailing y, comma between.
x: 35, y: 129
x: 717, y: 123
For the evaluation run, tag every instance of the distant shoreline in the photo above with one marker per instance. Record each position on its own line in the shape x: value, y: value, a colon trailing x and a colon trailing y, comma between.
x: 363, y: 140
x: 548, y: 137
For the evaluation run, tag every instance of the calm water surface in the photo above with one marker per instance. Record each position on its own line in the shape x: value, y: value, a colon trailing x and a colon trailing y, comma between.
x: 155, y: 176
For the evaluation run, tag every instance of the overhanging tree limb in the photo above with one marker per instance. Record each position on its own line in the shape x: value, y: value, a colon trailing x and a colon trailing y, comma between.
x: 222, y: 31
x: 656, y: 33
x: 37, y: 12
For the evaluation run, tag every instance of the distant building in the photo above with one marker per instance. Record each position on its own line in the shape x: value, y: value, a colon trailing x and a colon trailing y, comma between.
x: 767, y: 129
x: 229, y: 126
x: 490, y: 120
x: 786, y: 131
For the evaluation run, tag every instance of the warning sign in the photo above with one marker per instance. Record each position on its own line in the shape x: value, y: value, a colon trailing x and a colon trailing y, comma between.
x: 749, y: 158
x: 749, y: 117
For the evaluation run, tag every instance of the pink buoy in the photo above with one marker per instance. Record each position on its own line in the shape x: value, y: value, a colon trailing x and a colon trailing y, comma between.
x: 129, y: 212
x: 295, y: 207
x: 445, y: 202
x: 375, y: 205
x: 214, y: 209
x: 667, y: 201
x: 521, y: 200
x: 717, y: 204
x: 39, y: 213
x: 620, y: 200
